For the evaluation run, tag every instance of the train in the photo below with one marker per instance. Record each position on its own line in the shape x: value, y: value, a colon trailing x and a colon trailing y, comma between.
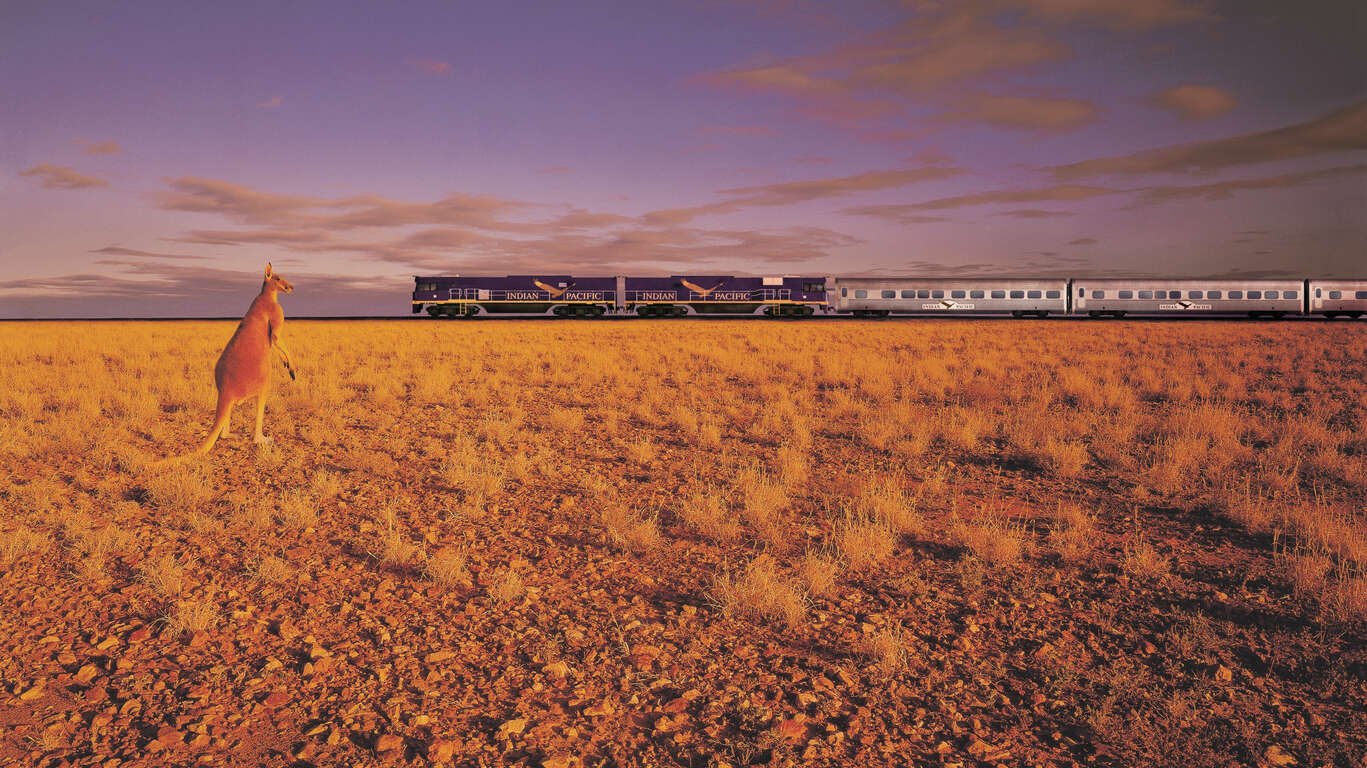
x: 460, y: 296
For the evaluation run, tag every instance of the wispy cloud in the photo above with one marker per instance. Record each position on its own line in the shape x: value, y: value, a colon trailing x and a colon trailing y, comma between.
x: 99, y: 147
x: 1083, y: 241
x: 62, y: 177
x: 1344, y: 130
x: 1195, y: 102
x: 1035, y: 213
x: 434, y: 66
x: 118, y: 250
x: 1042, y: 115
x: 897, y: 214
x: 793, y: 192
x: 271, y: 103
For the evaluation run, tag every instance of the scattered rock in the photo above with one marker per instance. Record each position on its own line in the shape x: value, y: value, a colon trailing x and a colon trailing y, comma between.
x: 513, y: 727
x: 441, y: 751
x: 388, y: 742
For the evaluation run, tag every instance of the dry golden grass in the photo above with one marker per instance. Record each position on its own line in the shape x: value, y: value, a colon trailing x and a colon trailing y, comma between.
x: 191, y: 615
x: 760, y: 592
x: 164, y: 576
x: 447, y: 567
x: 506, y: 586
x: 830, y: 460
x: 992, y: 539
x: 629, y: 531
x: 863, y: 543
x: 887, y: 648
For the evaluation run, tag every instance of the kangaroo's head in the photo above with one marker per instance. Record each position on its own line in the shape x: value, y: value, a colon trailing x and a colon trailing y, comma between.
x: 275, y: 282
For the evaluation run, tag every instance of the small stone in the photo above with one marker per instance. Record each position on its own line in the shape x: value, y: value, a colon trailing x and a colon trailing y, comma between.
x: 275, y: 700
x: 557, y: 670
x: 438, y: 657
x: 1224, y: 674
x: 285, y: 630
x: 558, y: 760
x: 317, y: 651
x: 513, y: 727
x: 1275, y: 755
x: 441, y: 751
x: 85, y: 674
x: 139, y: 635
x: 34, y: 692
x: 388, y: 742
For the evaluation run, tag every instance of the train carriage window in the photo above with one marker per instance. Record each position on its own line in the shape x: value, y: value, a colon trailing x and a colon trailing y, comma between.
x: 1236, y: 294
x: 975, y: 294
x: 887, y: 294
x: 1269, y: 295
x: 937, y: 294
x: 1034, y: 295
x: 844, y: 292
x: 1160, y: 294
x: 923, y: 293
x: 1291, y: 294
x: 908, y: 294
x: 1360, y: 295
x: 999, y: 294
x: 1053, y: 294
x: 1319, y: 293
x: 860, y: 293
x: 1336, y: 294
x: 1194, y: 294
x: 1213, y: 294
x: 1255, y: 294
x: 427, y: 286
x: 1146, y: 294
x: 1018, y: 294
x: 1174, y: 294
x: 957, y: 294
x: 1098, y: 294
x: 1125, y: 294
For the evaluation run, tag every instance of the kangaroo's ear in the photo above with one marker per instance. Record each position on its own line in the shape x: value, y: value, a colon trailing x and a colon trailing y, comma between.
x: 269, y: 271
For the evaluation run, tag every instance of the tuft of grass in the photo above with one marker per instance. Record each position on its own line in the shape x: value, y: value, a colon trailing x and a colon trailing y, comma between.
x: 706, y: 513
x: 628, y: 531
x: 1073, y: 533
x: 819, y: 572
x: 164, y: 576
x: 19, y: 542
x: 1142, y: 560
x: 506, y: 586
x: 181, y: 488
x: 761, y: 592
x: 887, y: 648
x: 270, y: 569
x: 863, y: 543
x: 447, y: 567
x: 399, y: 553
x: 297, y: 510
x: 992, y: 539
x: 887, y: 503
x: 191, y: 616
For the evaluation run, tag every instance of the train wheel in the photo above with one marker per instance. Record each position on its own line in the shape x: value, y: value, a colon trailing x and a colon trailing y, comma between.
x: 435, y: 310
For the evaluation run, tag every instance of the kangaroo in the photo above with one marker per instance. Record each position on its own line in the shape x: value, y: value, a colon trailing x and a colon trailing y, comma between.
x: 244, y: 370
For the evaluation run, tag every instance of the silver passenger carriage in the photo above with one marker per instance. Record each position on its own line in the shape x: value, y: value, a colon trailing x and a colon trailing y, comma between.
x: 883, y: 296
x: 1338, y: 298
x: 1143, y: 296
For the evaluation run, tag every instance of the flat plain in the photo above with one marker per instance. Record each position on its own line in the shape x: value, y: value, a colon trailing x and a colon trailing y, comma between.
x: 689, y: 543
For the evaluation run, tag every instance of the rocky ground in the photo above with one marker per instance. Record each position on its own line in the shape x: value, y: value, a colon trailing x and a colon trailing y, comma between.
x: 689, y: 544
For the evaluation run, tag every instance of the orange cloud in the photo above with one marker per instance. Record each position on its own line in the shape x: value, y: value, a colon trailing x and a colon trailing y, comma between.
x: 271, y: 103
x: 1195, y: 102
x: 896, y: 214
x: 1025, y: 113
x: 62, y: 177
x: 100, y: 147
x: 790, y: 193
x: 1344, y: 130
x: 1139, y: 14
x: 434, y: 66
x: 1224, y: 190
x: 1035, y: 213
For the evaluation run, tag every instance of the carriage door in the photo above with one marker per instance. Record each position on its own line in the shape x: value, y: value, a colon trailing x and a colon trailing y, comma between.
x: 1318, y: 303
x: 1081, y: 297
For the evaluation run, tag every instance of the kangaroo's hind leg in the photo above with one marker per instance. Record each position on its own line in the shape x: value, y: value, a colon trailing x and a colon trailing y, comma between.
x: 259, y: 438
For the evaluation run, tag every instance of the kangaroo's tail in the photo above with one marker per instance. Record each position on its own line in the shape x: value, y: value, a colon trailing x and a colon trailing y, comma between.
x: 225, y: 405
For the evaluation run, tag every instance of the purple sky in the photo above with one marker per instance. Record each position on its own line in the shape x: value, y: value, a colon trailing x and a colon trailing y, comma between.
x: 154, y: 156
